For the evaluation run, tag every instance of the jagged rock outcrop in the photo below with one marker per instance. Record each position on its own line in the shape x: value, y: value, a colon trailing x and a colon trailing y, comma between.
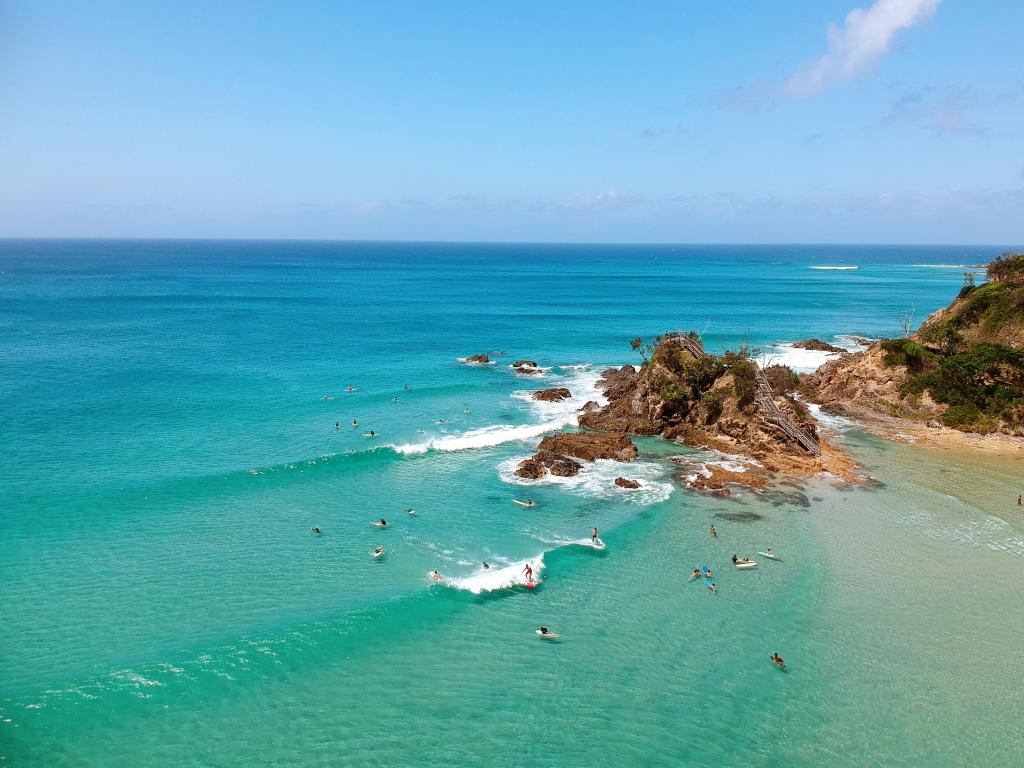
x: 553, y: 395
x: 710, y: 401
x: 478, y: 359
x: 818, y: 346
x: 524, y: 364
x: 557, y: 454
x: 625, y: 482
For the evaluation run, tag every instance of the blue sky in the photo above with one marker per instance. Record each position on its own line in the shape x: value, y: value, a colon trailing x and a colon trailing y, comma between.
x: 572, y: 121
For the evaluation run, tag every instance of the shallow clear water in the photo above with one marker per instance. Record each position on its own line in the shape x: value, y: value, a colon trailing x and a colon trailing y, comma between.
x: 168, y: 449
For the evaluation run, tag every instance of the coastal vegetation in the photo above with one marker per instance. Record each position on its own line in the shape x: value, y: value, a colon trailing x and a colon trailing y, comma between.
x: 964, y: 367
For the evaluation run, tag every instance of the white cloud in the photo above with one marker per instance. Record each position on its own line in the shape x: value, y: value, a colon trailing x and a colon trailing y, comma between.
x: 866, y: 35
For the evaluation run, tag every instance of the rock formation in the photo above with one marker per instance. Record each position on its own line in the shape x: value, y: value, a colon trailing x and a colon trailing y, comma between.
x: 553, y: 395
x: 625, y: 482
x: 711, y: 401
x: 558, y: 453
x: 819, y: 346
x: 964, y: 367
x: 478, y: 359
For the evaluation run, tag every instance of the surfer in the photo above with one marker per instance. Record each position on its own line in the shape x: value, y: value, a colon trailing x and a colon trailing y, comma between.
x: 777, y: 661
x: 378, y: 551
x: 1018, y: 504
x: 382, y: 523
x: 529, y: 572
x: 315, y: 530
x: 326, y: 397
x: 714, y: 531
x: 465, y: 410
x: 486, y: 566
x: 350, y: 388
x: 395, y: 398
x: 436, y: 576
x: 354, y: 423
x: 542, y: 630
x: 694, y: 573
x: 337, y: 425
x: 735, y: 559
x: 713, y: 587
x: 410, y: 511
x: 594, y: 536
x: 371, y: 433
x: 406, y: 387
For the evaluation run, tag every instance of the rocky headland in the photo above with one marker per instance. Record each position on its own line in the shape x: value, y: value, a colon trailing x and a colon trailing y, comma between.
x: 963, y: 370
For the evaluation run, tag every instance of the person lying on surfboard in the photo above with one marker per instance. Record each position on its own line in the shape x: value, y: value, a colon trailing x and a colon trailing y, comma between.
x: 777, y: 661
x: 543, y: 630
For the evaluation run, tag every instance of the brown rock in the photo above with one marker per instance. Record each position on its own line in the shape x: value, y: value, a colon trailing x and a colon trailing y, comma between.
x: 546, y: 461
x: 530, y: 469
x: 477, y: 359
x: 553, y: 395
x: 524, y: 364
x: 818, y: 345
x: 625, y: 482
x: 590, y: 446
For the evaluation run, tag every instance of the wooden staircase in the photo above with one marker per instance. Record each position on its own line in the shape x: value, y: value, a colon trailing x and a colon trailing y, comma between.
x: 766, y: 400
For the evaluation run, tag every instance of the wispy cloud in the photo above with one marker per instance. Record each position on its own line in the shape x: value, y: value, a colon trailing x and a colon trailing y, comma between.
x: 810, y: 138
x: 865, y: 36
x: 940, y: 112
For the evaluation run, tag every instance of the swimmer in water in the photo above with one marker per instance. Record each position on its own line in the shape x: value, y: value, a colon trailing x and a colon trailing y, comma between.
x: 315, y: 530
x: 714, y: 532
x: 337, y: 425
x: 465, y: 410
x: 354, y: 423
x: 406, y: 387
x: 395, y: 398
x: 382, y: 523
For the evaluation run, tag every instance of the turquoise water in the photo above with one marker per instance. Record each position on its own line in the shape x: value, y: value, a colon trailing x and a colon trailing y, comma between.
x: 168, y: 449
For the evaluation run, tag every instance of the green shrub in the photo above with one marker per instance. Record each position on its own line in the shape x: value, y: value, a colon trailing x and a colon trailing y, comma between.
x: 907, y: 353
x: 713, y: 402
x: 781, y: 378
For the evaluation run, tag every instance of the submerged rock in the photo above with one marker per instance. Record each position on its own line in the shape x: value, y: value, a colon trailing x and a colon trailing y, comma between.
x: 483, y: 359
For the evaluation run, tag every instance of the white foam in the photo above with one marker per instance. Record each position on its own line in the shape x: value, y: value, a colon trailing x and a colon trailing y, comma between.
x: 800, y: 360
x: 945, y: 266
x: 485, y: 437
x: 597, y: 479
x: 553, y: 416
x: 838, y: 268
x: 495, y: 579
